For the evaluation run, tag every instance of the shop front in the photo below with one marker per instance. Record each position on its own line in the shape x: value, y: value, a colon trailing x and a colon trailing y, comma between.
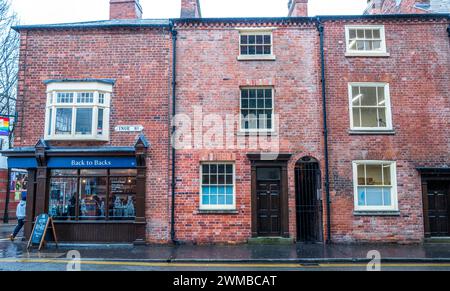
x: 93, y: 194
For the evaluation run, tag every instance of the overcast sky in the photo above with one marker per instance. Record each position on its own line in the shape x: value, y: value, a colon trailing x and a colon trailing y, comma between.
x: 57, y: 11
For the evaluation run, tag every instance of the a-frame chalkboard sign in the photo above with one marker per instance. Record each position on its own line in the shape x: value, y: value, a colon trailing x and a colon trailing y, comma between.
x: 41, y: 225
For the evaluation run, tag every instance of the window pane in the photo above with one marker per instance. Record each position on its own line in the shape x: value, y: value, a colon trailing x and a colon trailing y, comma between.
x: 373, y: 175
x: 376, y: 34
x: 377, y: 45
x: 64, y: 173
x: 259, y: 50
x: 244, y: 39
x: 101, y: 98
x: 244, y: 103
x: 84, y: 121
x: 387, y: 196
x: 268, y: 174
x: 267, y: 49
x: 360, y: 33
x: 218, y: 186
x: 92, y: 198
x: 259, y: 39
x: 251, y: 39
x: 100, y: 122
x: 352, y: 33
x: 387, y: 175
x: 63, y: 123
x: 356, y: 96
x: 244, y: 50
x: 374, y: 196
x: 362, y: 196
x: 85, y: 98
x: 361, y: 175
x: 94, y: 172
x: 360, y: 45
x: 122, y: 201
x: 369, y: 96
x: 229, y: 169
x: 381, y: 97
x: 356, y: 117
x: 62, y: 205
x: 64, y: 98
x: 50, y: 112
x: 251, y: 50
x: 123, y: 172
x: 267, y: 39
x: 369, y: 117
x: 382, y: 117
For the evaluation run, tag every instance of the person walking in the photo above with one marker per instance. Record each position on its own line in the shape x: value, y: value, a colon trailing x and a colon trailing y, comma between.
x: 20, y: 214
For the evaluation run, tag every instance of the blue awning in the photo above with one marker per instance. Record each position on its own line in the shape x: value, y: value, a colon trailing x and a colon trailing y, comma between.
x: 22, y: 163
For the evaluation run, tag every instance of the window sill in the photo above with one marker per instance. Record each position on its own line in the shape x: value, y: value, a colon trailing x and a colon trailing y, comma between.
x: 257, y: 58
x: 227, y: 212
x: 76, y: 138
x: 367, y: 54
x: 371, y: 132
x: 376, y: 213
x: 257, y: 133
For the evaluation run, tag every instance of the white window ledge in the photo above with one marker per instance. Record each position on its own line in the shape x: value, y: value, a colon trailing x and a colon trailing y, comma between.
x: 256, y: 58
x: 76, y: 138
x: 371, y: 132
x: 256, y: 133
x: 367, y: 54
x: 376, y: 213
x: 223, y: 211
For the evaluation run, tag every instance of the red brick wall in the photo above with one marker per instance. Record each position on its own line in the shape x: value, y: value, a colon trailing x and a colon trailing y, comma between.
x: 209, y: 75
x: 418, y: 74
x: 139, y: 60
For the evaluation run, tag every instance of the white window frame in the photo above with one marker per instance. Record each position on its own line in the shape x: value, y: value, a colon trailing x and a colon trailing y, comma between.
x: 257, y: 31
x: 78, y: 87
x: 217, y: 207
x: 258, y: 130
x: 373, y: 53
x: 394, y: 195
x: 387, y: 97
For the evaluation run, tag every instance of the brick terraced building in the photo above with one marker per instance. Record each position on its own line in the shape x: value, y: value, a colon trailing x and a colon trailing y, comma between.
x: 227, y: 130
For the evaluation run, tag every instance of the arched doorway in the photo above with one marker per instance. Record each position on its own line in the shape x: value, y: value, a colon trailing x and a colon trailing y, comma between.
x: 308, y: 200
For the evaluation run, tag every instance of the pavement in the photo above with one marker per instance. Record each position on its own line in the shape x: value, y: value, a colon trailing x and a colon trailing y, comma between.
x: 190, y: 257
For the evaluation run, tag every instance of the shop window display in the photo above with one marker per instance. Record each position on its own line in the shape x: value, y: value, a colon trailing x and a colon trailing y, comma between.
x: 93, y: 194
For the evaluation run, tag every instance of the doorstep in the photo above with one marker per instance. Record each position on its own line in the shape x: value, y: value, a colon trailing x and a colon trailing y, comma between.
x: 270, y: 241
x: 438, y: 240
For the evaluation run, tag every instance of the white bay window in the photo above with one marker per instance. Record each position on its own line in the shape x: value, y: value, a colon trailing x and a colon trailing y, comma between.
x: 77, y: 111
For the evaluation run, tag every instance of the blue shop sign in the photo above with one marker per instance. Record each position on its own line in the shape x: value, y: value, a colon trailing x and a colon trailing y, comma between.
x: 22, y: 163
x: 92, y: 162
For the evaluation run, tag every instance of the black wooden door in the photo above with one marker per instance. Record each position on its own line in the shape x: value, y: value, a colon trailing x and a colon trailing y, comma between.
x: 438, y: 208
x: 269, y: 208
x: 308, y: 201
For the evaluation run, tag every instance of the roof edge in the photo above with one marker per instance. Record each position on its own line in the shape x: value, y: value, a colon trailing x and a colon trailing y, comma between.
x: 98, y: 24
x: 103, y: 81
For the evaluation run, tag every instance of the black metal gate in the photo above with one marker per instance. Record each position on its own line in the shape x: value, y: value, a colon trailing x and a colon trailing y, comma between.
x: 308, y: 200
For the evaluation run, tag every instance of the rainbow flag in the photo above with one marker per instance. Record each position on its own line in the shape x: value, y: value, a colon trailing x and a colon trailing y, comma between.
x: 4, y: 126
